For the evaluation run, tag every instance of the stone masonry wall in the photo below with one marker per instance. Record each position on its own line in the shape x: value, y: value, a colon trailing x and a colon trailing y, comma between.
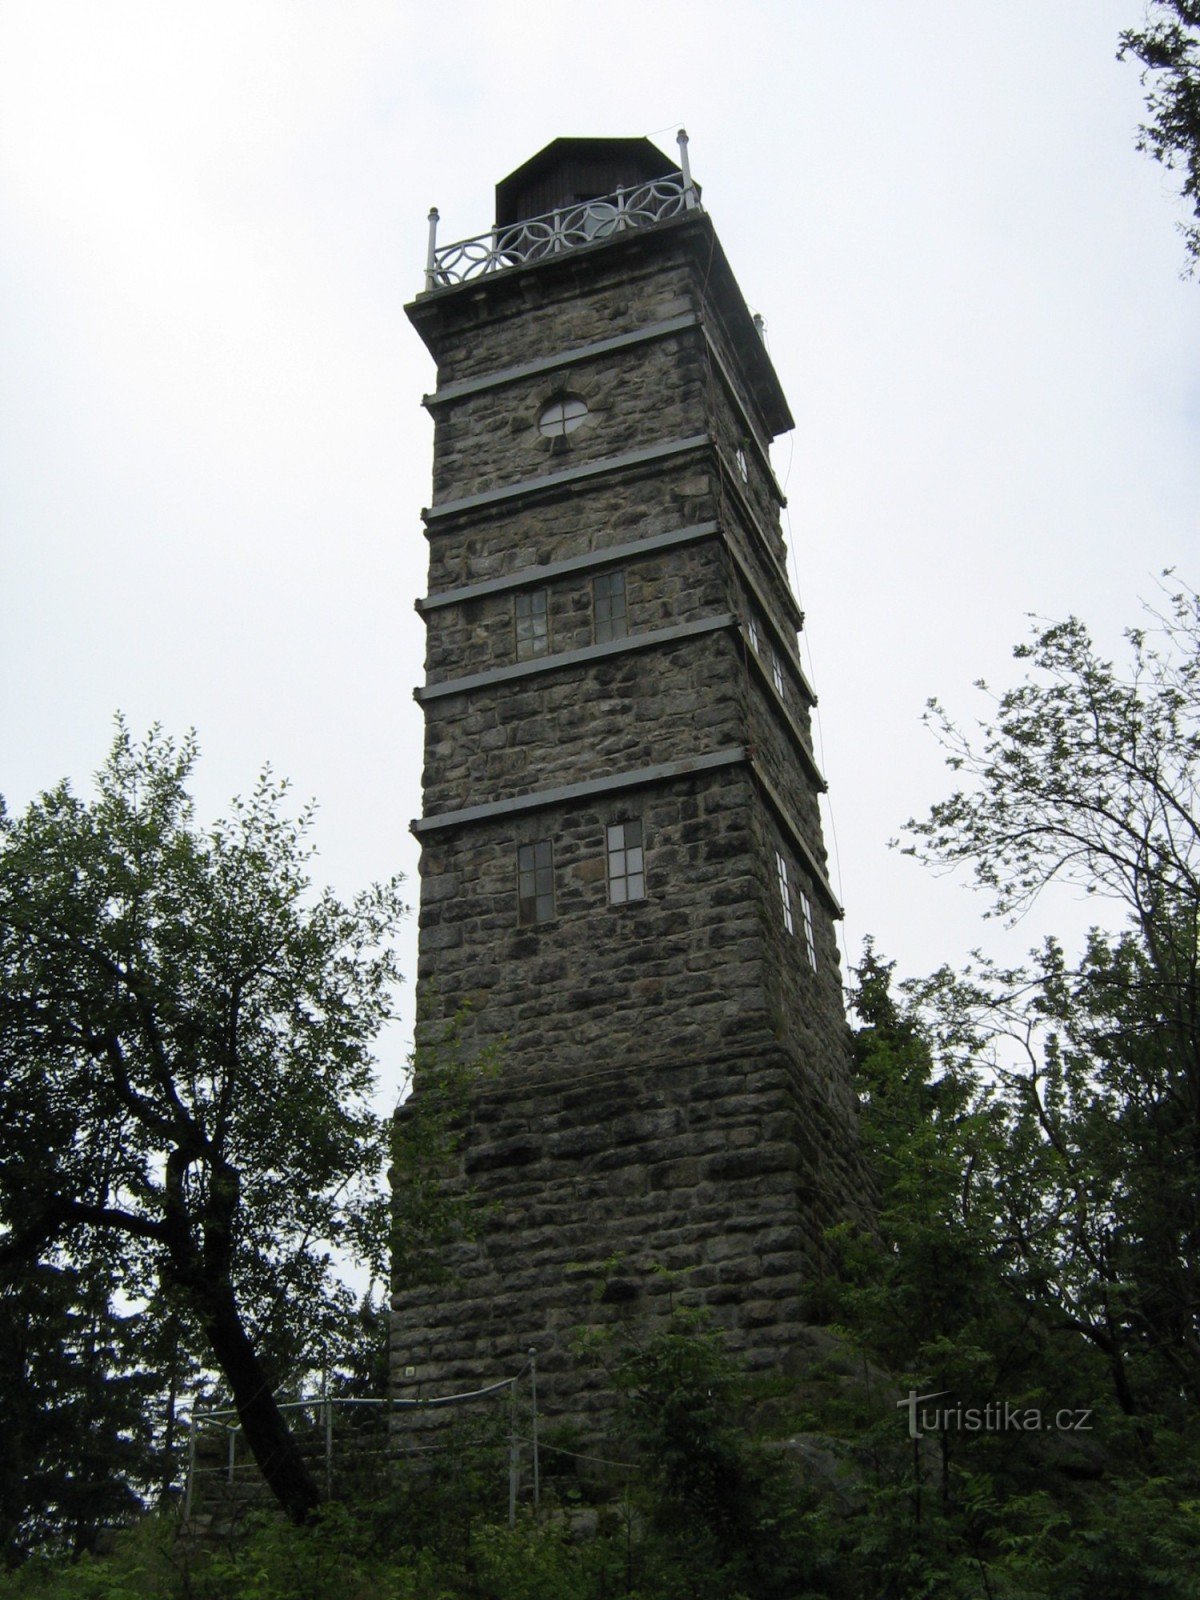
x: 620, y: 713
x: 677, y: 973
x: 562, y: 305
x: 661, y: 589
x: 756, y: 552
x: 775, y: 751
x: 635, y: 503
x: 480, y: 445
x: 598, y: 1180
x: 756, y: 489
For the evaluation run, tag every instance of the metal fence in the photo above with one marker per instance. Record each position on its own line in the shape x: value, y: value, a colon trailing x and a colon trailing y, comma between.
x: 329, y: 1433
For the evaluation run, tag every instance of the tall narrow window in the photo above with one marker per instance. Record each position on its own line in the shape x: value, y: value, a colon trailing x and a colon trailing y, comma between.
x: 753, y: 629
x: 776, y: 674
x: 535, y: 882
x: 743, y: 469
x: 608, y: 606
x: 532, y: 624
x: 626, y: 862
x: 810, y: 943
x: 785, y: 893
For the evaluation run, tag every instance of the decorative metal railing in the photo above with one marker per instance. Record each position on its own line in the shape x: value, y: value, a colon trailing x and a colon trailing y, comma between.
x: 536, y: 238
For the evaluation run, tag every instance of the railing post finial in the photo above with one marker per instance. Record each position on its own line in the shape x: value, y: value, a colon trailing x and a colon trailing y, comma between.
x: 431, y: 252
x: 689, y: 189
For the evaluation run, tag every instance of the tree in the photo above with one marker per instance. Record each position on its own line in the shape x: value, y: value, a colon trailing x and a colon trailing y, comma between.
x: 74, y: 1392
x: 932, y: 1272
x: 1089, y: 775
x: 1168, y: 48
x: 185, y: 1033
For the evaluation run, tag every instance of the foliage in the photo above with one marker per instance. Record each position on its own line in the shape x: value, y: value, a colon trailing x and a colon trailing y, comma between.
x: 973, y: 1290
x: 185, y: 1032
x: 1089, y: 775
x: 1095, y: 1180
x: 74, y: 1389
x: 1168, y: 48
x: 433, y: 1208
x: 931, y: 1136
x: 710, y: 1506
x: 708, y: 1510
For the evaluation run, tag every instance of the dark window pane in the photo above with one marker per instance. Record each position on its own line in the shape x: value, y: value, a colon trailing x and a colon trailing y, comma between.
x: 532, y: 624
x: 608, y: 605
x: 535, y: 882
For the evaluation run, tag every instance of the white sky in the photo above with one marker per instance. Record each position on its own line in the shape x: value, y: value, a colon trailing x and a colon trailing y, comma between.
x: 212, y: 456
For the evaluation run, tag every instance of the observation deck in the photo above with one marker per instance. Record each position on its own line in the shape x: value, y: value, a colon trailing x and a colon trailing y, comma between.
x: 518, y: 241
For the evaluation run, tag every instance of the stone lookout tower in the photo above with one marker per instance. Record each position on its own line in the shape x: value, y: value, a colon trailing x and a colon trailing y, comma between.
x: 622, y: 870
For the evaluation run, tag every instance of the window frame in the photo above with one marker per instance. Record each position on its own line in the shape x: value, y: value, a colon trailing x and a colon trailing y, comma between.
x: 806, y: 917
x: 776, y: 670
x: 619, y: 872
x: 615, y: 624
x: 536, y: 641
x: 567, y: 420
x: 536, y: 903
x: 785, y: 893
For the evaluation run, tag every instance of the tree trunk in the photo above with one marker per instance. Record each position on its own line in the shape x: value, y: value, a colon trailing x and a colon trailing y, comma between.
x: 204, y: 1277
x: 270, y: 1439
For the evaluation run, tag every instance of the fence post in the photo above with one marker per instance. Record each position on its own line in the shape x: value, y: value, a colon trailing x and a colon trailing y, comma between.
x: 187, y: 1496
x: 328, y: 1409
x: 513, y: 1454
x: 689, y: 188
x: 537, y: 1476
x: 232, y: 1449
x: 431, y: 251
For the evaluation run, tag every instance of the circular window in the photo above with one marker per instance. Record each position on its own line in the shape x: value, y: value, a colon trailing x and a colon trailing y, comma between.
x: 561, y: 415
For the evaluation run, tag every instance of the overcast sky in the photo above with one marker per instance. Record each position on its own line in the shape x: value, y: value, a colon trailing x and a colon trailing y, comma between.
x: 212, y: 454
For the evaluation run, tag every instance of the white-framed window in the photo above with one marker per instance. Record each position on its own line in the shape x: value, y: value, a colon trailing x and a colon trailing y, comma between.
x: 743, y: 468
x: 535, y: 881
x: 785, y: 893
x: 810, y: 943
x: 752, y: 629
x: 626, y: 861
x: 562, y: 415
x: 776, y: 673
x: 609, y: 616
x: 531, y: 620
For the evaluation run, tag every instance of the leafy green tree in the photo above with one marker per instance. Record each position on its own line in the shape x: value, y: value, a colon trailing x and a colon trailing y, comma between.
x: 986, y: 1281
x: 1094, y: 1179
x: 185, y: 1031
x: 724, y: 1516
x: 1088, y: 774
x: 928, y: 1285
x: 1168, y: 47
